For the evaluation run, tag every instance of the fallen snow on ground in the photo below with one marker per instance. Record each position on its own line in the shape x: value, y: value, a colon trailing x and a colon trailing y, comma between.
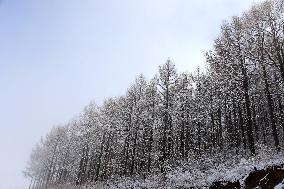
x: 280, y: 185
x: 201, y: 173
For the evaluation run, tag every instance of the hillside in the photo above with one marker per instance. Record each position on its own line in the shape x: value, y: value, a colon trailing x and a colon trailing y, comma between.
x: 183, y: 130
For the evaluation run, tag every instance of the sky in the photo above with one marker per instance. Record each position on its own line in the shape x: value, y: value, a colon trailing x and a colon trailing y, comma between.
x: 58, y: 55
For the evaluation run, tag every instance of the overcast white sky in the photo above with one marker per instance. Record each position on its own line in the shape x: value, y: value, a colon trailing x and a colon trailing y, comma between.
x: 57, y: 55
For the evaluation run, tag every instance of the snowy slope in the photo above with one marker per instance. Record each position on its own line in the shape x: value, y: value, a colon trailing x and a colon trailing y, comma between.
x: 201, y: 174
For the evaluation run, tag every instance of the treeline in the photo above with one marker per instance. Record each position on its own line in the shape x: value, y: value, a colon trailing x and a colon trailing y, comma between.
x: 234, y: 106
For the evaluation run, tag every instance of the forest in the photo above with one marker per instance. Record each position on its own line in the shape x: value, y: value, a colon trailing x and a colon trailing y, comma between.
x: 235, y: 106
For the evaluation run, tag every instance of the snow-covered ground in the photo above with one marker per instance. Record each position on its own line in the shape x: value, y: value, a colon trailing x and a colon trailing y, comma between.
x: 202, y: 173
x: 280, y: 185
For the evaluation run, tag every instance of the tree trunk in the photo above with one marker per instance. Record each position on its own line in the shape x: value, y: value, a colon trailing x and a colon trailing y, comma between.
x: 248, y: 109
x: 270, y: 107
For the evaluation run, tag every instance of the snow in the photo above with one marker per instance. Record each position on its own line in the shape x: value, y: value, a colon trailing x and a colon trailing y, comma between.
x: 201, y: 173
x: 280, y: 185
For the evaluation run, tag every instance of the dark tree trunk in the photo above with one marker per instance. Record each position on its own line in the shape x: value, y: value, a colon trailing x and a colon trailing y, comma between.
x: 236, y: 128
x: 255, y: 125
x: 213, y: 137
x: 270, y: 107
x: 220, y: 138
x: 248, y: 109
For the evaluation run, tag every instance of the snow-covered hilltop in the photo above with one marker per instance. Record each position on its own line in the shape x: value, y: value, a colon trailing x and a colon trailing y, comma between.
x: 207, y: 172
x: 181, y: 130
